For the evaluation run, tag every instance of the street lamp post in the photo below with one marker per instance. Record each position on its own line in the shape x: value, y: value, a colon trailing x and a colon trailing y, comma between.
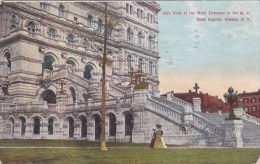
x: 232, y: 99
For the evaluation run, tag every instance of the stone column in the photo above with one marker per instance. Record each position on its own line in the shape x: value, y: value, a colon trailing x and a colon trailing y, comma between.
x: 44, y: 130
x: 196, y: 104
x: 119, y: 131
x: 76, y: 129
x: 90, y: 131
x: 140, y: 96
x: 61, y: 102
x: 138, y: 133
x: 232, y: 136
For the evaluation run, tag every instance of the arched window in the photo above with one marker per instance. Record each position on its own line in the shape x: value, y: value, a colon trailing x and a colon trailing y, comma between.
x: 100, y: 25
x: 73, y: 94
x: 109, y: 31
x: 52, y: 33
x: 89, y: 21
x: 71, y: 62
x: 87, y: 73
x: 49, y: 96
x: 36, y: 125
x: 151, y: 67
x: 128, y: 124
x: 112, y: 125
x: 140, y: 64
x: 128, y: 35
x: 22, y: 125
x: 8, y: 59
x: 48, y: 62
x: 129, y: 62
x: 61, y: 11
x: 150, y: 43
x: 139, y: 35
x: 70, y: 38
x: 31, y: 27
x: 50, y: 126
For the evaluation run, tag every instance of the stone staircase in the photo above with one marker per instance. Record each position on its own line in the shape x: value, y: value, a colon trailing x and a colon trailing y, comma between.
x: 176, y: 113
x: 211, y: 123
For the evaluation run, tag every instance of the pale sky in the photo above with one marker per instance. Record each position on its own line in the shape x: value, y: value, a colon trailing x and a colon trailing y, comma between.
x: 217, y: 55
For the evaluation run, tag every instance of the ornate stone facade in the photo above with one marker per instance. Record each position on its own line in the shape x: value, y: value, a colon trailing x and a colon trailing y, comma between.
x: 50, y: 76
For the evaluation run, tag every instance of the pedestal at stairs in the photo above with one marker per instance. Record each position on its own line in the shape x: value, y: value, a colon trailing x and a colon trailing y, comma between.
x: 232, y: 137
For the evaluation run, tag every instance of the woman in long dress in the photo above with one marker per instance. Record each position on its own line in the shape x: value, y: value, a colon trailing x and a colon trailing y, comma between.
x: 153, y: 139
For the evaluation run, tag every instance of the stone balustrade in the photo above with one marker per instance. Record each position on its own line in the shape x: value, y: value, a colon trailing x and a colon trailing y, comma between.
x: 251, y: 118
x: 181, y: 102
x: 205, y: 124
x: 117, y: 91
x: 164, y: 110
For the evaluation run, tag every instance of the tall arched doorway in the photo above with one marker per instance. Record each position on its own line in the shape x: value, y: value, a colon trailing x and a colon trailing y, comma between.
x: 112, y: 124
x: 128, y: 124
x: 83, y: 126
x: 97, y: 126
x: 11, y: 120
x: 49, y: 96
x: 70, y: 126
x: 22, y: 125
x: 36, y: 125
x: 50, y: 126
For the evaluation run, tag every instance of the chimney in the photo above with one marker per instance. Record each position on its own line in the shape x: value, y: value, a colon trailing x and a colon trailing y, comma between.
x: 189, y: 91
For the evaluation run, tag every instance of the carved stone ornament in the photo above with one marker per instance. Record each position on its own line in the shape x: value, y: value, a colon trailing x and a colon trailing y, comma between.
x: 64, y: 55
x: 83, y: 60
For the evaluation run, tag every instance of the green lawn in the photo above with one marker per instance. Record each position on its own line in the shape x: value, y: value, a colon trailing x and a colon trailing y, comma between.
x: 118, y: 154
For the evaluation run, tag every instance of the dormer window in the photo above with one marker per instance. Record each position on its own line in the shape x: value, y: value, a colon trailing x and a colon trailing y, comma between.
x: 61, y: 11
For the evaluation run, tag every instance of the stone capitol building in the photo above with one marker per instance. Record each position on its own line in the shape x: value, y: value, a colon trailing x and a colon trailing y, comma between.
x: 50, y: 79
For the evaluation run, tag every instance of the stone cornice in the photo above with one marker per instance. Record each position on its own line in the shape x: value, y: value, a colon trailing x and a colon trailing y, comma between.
x: 26, y: 59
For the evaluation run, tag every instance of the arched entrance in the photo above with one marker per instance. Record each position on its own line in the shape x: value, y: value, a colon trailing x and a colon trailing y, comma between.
x: 128, y: 124
x: 22, y: 125
x: 83, y: 126
x: 50, y: 126
x: 49, y: 96
x: 70, y: 126
x: 112, y: 124
x: 97, y: 126
x: 11, y: 120
x: 36, y: 125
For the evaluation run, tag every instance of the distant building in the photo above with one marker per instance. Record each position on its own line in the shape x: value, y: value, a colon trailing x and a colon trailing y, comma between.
x: 210, y: 104
x: 251, y: 102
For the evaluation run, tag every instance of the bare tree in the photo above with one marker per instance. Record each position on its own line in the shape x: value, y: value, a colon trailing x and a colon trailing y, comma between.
x: 110, y: 22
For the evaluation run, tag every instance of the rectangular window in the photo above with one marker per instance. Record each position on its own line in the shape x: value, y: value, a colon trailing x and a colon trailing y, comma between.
x: 253, y: 109
x: 151, y: 19
x: 127, y: 8
x: 141, y: 14
x: 253, y: 100
x: 246, y: 109
x: 148, y: 17
x: 245, y: 101
x: 131, y: 9
x: 43, y: 5
x: 138, y: 13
